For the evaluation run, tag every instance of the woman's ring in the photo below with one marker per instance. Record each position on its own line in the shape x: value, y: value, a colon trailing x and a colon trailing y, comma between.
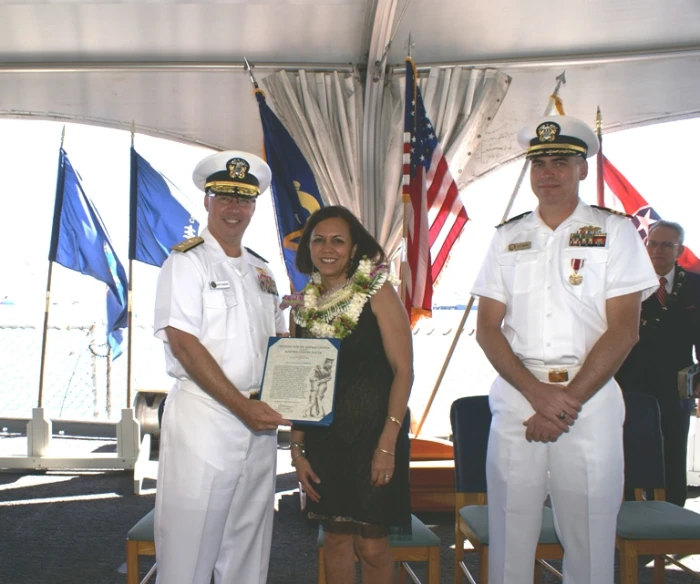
x: 562, y: 415
x: 386, y: 478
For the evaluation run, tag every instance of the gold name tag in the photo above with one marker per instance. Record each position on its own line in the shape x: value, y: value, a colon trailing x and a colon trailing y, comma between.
x: 520, y: 245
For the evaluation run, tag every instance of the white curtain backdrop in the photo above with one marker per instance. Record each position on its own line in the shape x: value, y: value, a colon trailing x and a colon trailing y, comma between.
x: 323, y: 113
x: 460, y: 102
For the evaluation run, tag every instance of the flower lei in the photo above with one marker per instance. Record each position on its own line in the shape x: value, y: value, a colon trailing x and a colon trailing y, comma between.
x: 335, y: 315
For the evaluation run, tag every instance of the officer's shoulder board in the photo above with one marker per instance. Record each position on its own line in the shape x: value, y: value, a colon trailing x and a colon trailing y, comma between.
x: 516, y: 218
x: 257, y: 255
x: 612, y: 211
x: 188, y: 244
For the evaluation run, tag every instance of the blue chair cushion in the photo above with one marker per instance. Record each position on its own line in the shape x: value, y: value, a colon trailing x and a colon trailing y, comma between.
x: 143, y: 530
x: 657, y: 520
x: 477, y: 518
x: 421, y: 536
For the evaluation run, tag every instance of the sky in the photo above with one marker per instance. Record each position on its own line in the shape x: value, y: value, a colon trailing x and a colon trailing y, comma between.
x: 658, y: 160
x: 29, y: 150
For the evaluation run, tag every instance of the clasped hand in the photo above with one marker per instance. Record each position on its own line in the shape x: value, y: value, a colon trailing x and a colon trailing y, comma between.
x: 555, y: 412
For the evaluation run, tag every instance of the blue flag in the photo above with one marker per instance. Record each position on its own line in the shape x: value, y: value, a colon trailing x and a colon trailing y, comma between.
x: 294, y: 191
x: 79, y: 241
x: 157, y: 220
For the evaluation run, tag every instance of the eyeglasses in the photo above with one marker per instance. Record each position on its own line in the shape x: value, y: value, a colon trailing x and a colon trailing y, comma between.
x: 653, y: 244
x: 226, y: 200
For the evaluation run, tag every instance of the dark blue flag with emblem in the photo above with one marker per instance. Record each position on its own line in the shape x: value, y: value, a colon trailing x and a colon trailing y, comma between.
x: 157, y: 219
x: 80, y: 242
x: 295, y: 194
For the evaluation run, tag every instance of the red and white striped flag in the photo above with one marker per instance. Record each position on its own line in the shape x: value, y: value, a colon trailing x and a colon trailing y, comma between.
x: 643, y: 214
x: 435, y: 215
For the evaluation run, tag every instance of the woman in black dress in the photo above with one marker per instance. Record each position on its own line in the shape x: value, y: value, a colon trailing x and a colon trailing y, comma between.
x: 355, y: 472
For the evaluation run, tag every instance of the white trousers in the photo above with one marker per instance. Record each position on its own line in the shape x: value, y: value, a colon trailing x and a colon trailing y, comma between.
x: 584, y: 471
x: 214, y: 503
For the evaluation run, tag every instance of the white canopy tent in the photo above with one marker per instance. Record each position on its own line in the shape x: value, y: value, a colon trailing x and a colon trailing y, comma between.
x: 176, y: 70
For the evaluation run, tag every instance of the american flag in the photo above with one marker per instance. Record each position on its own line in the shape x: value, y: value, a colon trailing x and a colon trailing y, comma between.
x: 435, y: 216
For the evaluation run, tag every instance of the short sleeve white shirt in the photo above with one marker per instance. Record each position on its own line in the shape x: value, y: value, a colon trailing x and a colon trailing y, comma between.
x: 550, y: 320
x: 229, y: 304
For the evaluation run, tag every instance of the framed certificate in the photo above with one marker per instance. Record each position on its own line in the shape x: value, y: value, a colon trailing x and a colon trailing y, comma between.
x: 299, y: 379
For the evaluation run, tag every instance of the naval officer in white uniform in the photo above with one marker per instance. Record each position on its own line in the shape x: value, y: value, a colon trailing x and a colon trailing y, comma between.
x: 559, y: 299
x: 216, y: 306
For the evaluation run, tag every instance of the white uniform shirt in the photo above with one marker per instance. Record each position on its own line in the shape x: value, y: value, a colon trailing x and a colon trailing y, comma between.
x: 549, y: 321
x: 226, y: 303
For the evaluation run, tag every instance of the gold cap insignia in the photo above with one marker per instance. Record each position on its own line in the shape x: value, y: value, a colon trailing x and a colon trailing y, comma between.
x: 548, y: 132
x: 237, y: 168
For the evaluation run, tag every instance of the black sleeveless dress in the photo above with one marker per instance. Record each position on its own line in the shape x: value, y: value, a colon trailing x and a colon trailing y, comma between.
x: 341, y: 455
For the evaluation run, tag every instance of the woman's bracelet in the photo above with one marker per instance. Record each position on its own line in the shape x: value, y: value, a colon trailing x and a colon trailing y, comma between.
x: 294, y: 458
x: 395, y: 420
x: 385, y: 451
x: 297, y: 445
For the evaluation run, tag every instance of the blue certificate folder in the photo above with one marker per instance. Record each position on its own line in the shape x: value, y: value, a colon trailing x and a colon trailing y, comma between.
x: 299, y: 379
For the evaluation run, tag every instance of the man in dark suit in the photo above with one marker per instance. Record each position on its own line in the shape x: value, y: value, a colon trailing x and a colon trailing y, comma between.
x: 669, y: 330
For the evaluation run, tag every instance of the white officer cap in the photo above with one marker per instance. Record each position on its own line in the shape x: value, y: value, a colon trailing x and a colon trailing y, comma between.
x: 558, y: 136
x: 233, y: 172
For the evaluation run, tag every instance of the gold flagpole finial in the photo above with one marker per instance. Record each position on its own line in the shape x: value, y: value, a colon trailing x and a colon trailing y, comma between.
x: 556, y: 100
x: 599, y: 123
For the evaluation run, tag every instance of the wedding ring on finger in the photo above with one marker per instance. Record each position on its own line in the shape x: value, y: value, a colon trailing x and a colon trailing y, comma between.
x: 386, y: 478
x: 562, y: 415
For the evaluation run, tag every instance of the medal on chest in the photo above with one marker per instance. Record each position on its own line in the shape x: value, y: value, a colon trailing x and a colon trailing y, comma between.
x: 575, y: 279
x: 588, y: 236
x: 266, y: 282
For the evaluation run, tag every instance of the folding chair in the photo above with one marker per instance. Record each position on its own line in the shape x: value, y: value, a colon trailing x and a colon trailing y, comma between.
x: 139, y: 542
x: 655, y: 527
x: 423, y: 546
x: 471, y: 421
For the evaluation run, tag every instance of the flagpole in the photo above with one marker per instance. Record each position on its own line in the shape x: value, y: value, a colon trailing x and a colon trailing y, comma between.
x: 132, y: 239
x: 599, y: 159
x: 54, y: 235
x: 248, y: 68
x: 405, y: 200
x: 257, y: 90
x: 553, y: 103
x: 40, y: 401
x: 39, y: 429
